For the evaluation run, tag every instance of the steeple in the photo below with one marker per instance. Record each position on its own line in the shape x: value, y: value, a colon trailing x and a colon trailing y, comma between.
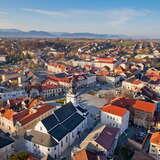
x: 72, y: 95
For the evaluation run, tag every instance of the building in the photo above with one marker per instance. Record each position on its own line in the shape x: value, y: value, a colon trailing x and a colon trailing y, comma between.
x: 115, y: 116
x: 87, y: 155
x: 12, y: 94
x: 133, y: 85
x: 12, y: 77
x: 3, y: 58
x: 110, y: 62
x: 144, y: 113
x: 56, y: 67
x: 102, y: 140
x: 54, y: 134
x: 17, y: 122
x: 6, y: 146
x: 50, y: 89
x: 154, y: 150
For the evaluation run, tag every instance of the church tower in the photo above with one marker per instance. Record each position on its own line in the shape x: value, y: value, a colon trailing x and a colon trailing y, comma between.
x: 72, y: 95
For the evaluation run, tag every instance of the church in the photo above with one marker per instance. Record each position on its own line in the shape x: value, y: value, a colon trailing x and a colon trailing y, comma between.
x: 56, y: 133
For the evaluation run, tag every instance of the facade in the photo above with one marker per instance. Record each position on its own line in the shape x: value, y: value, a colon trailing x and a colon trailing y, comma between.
x: 51, y: 89
x: 12, y: 94
x: 56, y: 67
x: 16, y: 123
x: 109, y: 62
x: 144, y: 113
x: 154, y: 150
x: 63, y: 127
x: 115, y: 116
x: 134, y: 85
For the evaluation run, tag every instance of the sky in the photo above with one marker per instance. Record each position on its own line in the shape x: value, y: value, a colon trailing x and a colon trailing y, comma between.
x: 129, y: 17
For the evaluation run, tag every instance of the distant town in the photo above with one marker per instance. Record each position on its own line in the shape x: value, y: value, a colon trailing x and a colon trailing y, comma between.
x: 79, y: 99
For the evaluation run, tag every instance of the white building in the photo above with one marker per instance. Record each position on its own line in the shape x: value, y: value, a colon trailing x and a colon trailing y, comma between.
x: 12, y: 94
x: 54, y: 134
x: 56, y: 67
x: 155, y: 145
x: 133, y: 85
x: 115, y: 116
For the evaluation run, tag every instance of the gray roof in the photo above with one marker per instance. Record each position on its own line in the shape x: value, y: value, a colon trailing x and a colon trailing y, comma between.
x: 50, y: 122
x: 40, y: 138
x: 65, y: 111
x: 5, y: 140
x: 72, y: 122
x: 58, y: 132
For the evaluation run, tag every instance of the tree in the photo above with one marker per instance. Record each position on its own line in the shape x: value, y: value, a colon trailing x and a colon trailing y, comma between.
x: 19, y: 156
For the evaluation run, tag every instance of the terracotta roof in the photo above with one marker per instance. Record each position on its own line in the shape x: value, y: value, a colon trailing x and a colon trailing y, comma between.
x: 85, y: 155
x: 137, y: 82
x: 30, y: 117
x: 49, y: 86
x: 106, y: 60
x: 155, y: 138
x: 58, y: 65
x: 33, y: 103
x: 9, y: 113
x: 57, y: 79
x: 122, y: 101
x: 113, y: 109
x: 144, y: 106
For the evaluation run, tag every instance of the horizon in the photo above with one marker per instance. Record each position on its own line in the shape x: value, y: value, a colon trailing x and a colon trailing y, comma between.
x: 83, y: 16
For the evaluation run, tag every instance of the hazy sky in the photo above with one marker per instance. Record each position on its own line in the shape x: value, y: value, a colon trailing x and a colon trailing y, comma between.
x: 132, y: 17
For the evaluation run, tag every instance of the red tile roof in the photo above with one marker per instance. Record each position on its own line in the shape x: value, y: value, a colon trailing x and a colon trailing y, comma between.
x: 9, y: 113
x: 85, y: 155
x: 155, y: 138
x: 116, y: 110
x: 30, y: 117
x: 144, y: 106
x: 137, y: 82
x: 106, y: 60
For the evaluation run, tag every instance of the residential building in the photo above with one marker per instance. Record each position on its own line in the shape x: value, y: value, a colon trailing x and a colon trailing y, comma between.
x: 102, y: 139
x: 115, y: 116
x: 87, y: 155
x: 51, y: 89
x: 154, y: 150
x: 144, y: 113
x: 133, y: 85
x: 56, y: 67
x: 17, y: 122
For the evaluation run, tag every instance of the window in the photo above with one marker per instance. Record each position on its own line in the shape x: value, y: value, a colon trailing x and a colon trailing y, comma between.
x: 66, y: 139
x: 41, y: 128
x: 62, y: 144
x: 48, y: 149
